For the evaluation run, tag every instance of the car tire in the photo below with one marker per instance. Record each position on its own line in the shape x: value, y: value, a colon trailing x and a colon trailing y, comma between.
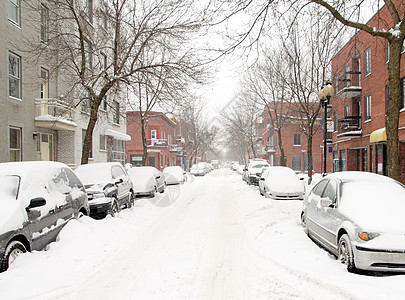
x: 345, y: 253
x: 304, y: 222
x: 13, y: 250
x: 115, y: 208
x: 131, y: 200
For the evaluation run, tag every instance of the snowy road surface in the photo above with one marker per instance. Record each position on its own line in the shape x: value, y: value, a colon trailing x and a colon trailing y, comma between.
x: 219, y: 240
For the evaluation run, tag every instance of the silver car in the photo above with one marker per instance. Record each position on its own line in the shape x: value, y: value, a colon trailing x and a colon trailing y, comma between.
x: 360, y: 218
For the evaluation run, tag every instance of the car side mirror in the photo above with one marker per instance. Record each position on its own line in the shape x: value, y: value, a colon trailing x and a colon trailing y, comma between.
x: 36, y: 202
x: 262, y: 178
x: 118, y: 181
x: 301, y: 178
x: 326, y: 202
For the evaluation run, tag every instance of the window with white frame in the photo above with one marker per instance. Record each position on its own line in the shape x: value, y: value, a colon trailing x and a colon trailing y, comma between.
x: 44, y: 11
x: 153, y: 134
x: 119, y: 151
x: 44, y: 93
x: 88, y: 9
x: 86, y: 102
x: 296, y: 163
x: 103, y: 142
x: 104, y: 61
x: 14, y: 75
x: 297, y: 139
x: 15, y: 143
x: 13, y: 11
x: 116, y: 116
x: 367, y: 107
x: 88, y: 54
x: 367, y: 62
x: 387, y: 51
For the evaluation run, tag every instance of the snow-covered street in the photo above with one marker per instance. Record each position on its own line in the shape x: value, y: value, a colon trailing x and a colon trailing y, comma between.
x: 219, y: 240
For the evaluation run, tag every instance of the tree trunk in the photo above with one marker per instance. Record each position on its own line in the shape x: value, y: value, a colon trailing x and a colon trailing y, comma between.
x: 394, y: 105
x: 88, y: 139
x: 309, y: 154
x: 280, y: 146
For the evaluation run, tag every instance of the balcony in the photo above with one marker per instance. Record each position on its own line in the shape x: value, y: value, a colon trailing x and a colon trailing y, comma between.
x: 157, y: 143
x: 349, y: 85
x: 54, y: 114
x: 349, y: 126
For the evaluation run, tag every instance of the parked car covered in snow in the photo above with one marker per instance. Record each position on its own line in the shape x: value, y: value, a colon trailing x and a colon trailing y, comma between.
x: 108, y: 187
x: 360, y: 218
x: 279, y: 182
x: 174, y: 175
x: 198, y: 170
x: 37, y: 200
x: 254, y: 172
x: 147, y: 181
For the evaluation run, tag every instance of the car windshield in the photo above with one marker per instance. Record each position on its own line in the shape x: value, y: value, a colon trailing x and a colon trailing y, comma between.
x: 94, y: 173
x: 260, y: 166
x: 373, y: 200
x: 9, y: 185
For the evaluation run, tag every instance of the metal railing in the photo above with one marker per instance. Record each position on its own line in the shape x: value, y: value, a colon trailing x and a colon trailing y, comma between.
x: 53, y: 107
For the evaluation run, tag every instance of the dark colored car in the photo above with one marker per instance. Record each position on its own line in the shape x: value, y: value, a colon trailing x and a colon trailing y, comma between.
x: 37, y: 200
x: 108, y: 187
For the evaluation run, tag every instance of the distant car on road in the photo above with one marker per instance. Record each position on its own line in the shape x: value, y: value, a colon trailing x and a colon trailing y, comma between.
x: 279, y: 182
x: 360, y: 218
x: 147, y: 181
x: 174, y: 175
x: 198, y: 170
x: 108, y: 187
x: 37, y: 200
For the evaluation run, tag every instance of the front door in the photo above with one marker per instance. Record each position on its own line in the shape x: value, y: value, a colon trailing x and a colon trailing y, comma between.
x: 46, y: 146
x: 151, y: 161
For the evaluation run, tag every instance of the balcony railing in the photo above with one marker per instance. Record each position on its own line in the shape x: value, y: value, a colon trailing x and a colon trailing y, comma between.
x: 54, y: 114
x: 349, y: 85
x: 157, y: 143
x: 349, y: 126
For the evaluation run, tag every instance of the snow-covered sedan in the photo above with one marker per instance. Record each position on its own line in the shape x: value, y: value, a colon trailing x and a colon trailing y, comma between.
x: 174, y: 175
x: 147, y: 181
x: 360, y: 218
x: 281, y: 183
x: 197, y: 170
x: 108, y: 187
x: 37, y: 200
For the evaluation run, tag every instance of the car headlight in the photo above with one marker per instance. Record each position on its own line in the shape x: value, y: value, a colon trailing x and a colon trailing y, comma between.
x: 366, y: 236
x: 98, y: 195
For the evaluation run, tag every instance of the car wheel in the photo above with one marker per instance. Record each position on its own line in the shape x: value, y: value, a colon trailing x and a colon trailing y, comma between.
x: 114, y: 207
x: 13, y: 250
x: 304, y: 222
x: 131, y: 200
x: 346, y: 253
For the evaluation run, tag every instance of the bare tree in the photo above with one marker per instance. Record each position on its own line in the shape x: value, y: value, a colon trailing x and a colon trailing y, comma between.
x: 100, y: 50
x: 395, y: 35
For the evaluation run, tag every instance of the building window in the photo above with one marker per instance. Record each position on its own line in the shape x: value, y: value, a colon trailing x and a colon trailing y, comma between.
x: 103, y: 104
x: 297, y: 139
x: 119, y: 151
x: 44, y: 83
x: 88, y: 54
x: 14, y: 76
x: 88, y: 10
x: 153, y: 134
x: 116, y: 116
x: 364, y: 159
x: 13, y: 11
x: 103, y: 142
x: 387, y: 51
x: 86, y: 102
x: 15, y: 143
x: 367, y: 62
x: 367, y: 107
x: 44, y: 23
x: 402, y: 92
x: 296, y: 163
x: 347, y: 110
x: 104, y: 61
x: 91, y: 145
x: 342, y: 166
x: 371, y: 159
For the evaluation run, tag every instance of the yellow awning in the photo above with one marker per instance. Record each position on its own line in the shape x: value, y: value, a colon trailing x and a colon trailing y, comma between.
x: 378, y: 135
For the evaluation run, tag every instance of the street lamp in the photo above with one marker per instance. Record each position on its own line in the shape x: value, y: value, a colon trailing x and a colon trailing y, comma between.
x: 324, y: 96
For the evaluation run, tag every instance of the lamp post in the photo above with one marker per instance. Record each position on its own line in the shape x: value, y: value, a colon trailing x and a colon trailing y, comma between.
x: 324, y: 96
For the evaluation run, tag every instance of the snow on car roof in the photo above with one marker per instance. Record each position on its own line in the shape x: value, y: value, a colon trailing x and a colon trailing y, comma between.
x: 95, y: 173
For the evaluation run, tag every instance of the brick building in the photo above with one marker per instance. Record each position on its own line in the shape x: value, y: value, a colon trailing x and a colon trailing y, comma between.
x: 295, y: 145
x: 161, y: 139
x: 360, y: 79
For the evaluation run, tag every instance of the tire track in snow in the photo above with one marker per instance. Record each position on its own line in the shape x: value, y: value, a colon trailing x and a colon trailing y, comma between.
x: 221, y: 272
